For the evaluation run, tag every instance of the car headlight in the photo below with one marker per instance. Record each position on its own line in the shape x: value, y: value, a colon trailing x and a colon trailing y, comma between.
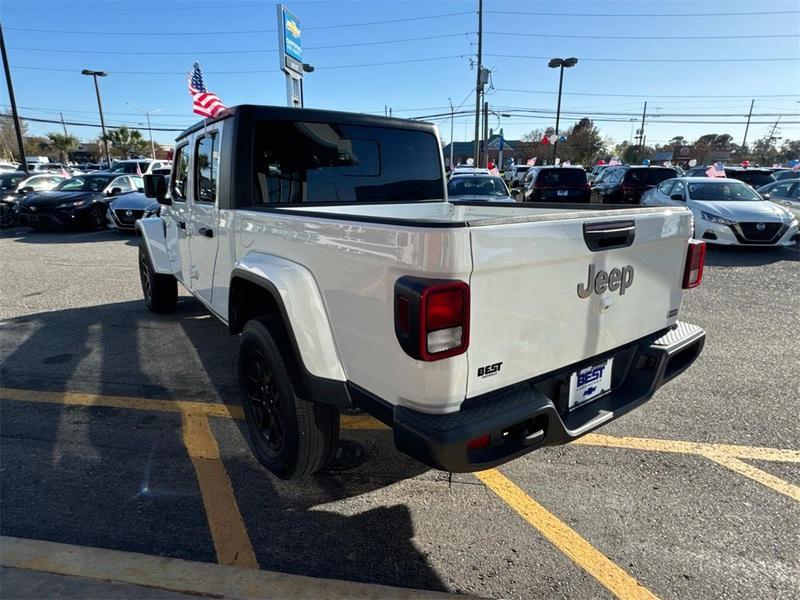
x: 716, y: 219
x: 71, y: 204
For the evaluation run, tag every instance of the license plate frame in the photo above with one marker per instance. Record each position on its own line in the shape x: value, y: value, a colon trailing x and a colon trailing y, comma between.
x: 590, y: 383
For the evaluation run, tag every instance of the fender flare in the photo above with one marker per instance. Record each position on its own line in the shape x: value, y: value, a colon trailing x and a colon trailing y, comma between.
x: 300, y: 303
x: 154, y: 237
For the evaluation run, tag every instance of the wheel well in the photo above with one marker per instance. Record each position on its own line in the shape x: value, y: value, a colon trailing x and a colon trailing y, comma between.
x: 247, y: 301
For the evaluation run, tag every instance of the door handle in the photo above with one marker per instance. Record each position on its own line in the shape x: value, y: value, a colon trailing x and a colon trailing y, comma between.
x: 206, y: 231
x: 182, y: 224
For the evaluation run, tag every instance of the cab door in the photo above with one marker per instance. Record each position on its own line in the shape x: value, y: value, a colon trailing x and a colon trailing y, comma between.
x: 204, y: 217
x: 176, y: 218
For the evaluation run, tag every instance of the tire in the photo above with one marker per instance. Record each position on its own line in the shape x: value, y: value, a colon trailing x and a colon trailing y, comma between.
x: 97, y: 217
x: 290, y: 436
x: 160, y: 291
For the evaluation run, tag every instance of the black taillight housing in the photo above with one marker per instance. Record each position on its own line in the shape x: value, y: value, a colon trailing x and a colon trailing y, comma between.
x: 431, y: 317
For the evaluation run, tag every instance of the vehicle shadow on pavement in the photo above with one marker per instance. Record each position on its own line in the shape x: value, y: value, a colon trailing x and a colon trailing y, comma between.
x: 122, y: 478
x: 26, y: 235
x: 738, y: 256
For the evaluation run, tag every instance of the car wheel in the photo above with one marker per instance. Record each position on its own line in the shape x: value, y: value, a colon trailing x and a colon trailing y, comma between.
x: 8, y: 216
x: 289, y: 435
x: 160, y: 291
x: 97, y: 216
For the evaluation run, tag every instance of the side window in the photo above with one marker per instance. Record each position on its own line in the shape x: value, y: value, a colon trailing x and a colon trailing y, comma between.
x: 795, y: 195
x: 123, y: 183
x: 38, y: 183
x: 206, y: 161
x: 137, y: 181
x: 679, y: 189
x: 664, y: 186
x: 180, y: 173
x: 780, y: 190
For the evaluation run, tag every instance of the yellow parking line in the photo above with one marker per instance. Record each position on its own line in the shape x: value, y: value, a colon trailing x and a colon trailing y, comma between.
x: 682, y: 447
x: 566, y: 539
x: 224, y: 519
x: 762, y: 477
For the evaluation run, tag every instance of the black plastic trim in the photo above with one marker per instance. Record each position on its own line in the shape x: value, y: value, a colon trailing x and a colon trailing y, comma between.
x: 318, y: 389
x: 525, y: 416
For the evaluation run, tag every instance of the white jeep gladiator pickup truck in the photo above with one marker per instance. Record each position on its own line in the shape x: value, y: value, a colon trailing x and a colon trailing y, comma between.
x: 477, y: 331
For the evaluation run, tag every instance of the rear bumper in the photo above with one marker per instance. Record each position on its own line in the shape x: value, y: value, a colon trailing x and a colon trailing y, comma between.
x: 532, y: 415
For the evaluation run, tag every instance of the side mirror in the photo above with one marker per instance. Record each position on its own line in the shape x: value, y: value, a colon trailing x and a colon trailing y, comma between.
x: 678, y: 197
x: 26, y: 190
x: 155, y: 186
x: 114, y: 191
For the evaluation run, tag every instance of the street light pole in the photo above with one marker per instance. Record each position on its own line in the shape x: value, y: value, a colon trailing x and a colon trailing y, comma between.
x: 560, y: 63
x: 150, y: 131
x: 95, y: 75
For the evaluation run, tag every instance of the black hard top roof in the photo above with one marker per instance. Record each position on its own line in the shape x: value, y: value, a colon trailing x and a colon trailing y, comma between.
x: 309, y: 115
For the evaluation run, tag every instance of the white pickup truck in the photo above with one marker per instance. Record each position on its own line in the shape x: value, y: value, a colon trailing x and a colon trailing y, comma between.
x: 477, y: 331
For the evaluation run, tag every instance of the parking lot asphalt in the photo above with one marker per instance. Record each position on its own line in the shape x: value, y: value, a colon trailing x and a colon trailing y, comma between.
x: 121, y: 430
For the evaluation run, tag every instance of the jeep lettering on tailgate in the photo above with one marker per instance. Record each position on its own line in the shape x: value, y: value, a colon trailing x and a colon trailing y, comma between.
x: 617, y: 279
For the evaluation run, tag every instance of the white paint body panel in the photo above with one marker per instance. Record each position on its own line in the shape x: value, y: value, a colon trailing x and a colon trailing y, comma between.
x: 304, y: 307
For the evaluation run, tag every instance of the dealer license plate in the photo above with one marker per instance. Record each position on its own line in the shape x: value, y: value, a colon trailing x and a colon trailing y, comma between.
x: 563, y: 192
x: 589, y: 383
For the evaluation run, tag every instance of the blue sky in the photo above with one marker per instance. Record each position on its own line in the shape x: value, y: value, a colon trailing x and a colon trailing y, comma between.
x: 441, y: 69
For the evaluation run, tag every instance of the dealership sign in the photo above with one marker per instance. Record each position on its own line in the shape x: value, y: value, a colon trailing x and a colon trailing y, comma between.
x: 291, y: 49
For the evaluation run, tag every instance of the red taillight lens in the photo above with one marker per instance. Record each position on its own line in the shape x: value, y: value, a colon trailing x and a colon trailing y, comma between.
x: 444, y: 309
x: 431, y: 317
x: 695, y: 258
x: 479, y: 442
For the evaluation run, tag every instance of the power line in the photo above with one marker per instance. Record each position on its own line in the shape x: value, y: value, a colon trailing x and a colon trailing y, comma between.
x: 251, y: 71
x: 648, y: 15
x: 604, y: 95
x: 236, y: 32
x: 659, y: 60
x: 643, y: 37
x: 75, y: 124
x: 250, y: 51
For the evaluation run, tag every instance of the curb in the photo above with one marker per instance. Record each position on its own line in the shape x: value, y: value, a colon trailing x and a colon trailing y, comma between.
x: 188, y: 577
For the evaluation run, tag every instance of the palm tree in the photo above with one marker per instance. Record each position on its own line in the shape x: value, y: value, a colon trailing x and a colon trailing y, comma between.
x: 63, y: 143
x: 126, y: 142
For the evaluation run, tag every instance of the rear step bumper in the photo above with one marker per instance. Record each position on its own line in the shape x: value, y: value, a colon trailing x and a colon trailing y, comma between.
x: 522, y: 418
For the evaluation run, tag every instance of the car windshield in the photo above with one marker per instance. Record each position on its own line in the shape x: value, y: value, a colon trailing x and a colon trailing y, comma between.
x: 561, y: 176
x: 649, y: 176
x: 8, y: 181
x: 732, y: 191
x: 85, y: 183
x: 477, y: 186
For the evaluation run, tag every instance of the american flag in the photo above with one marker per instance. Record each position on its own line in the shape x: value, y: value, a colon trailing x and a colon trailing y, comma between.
x: 205, y: 103
x: 716, y: 170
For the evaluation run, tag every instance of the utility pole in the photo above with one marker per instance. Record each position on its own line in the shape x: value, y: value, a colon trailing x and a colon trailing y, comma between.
x: 558, y: 110
x: 747, y: 127
x: 641, y: 133
x: 452, y: 115
x: 23, y: 161
x: 478, y: 86
x: 771, y: 137
x: 485, y: 140
x: 64, y: 125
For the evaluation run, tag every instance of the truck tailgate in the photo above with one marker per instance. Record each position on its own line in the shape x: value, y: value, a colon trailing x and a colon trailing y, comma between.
x: 533, y: 307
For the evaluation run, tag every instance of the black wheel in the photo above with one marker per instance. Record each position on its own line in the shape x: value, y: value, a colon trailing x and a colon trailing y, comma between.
x: 97, y: 216
x: 291, y: 436
x: 9, y: 215
x: 160, y: 291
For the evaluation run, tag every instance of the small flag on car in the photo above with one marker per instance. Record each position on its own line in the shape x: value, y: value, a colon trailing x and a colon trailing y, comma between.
x: 204, y: 103
x: 716, y: 170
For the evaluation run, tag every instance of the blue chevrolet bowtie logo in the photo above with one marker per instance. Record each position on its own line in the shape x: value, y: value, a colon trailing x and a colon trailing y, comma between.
x: 589, y: 391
